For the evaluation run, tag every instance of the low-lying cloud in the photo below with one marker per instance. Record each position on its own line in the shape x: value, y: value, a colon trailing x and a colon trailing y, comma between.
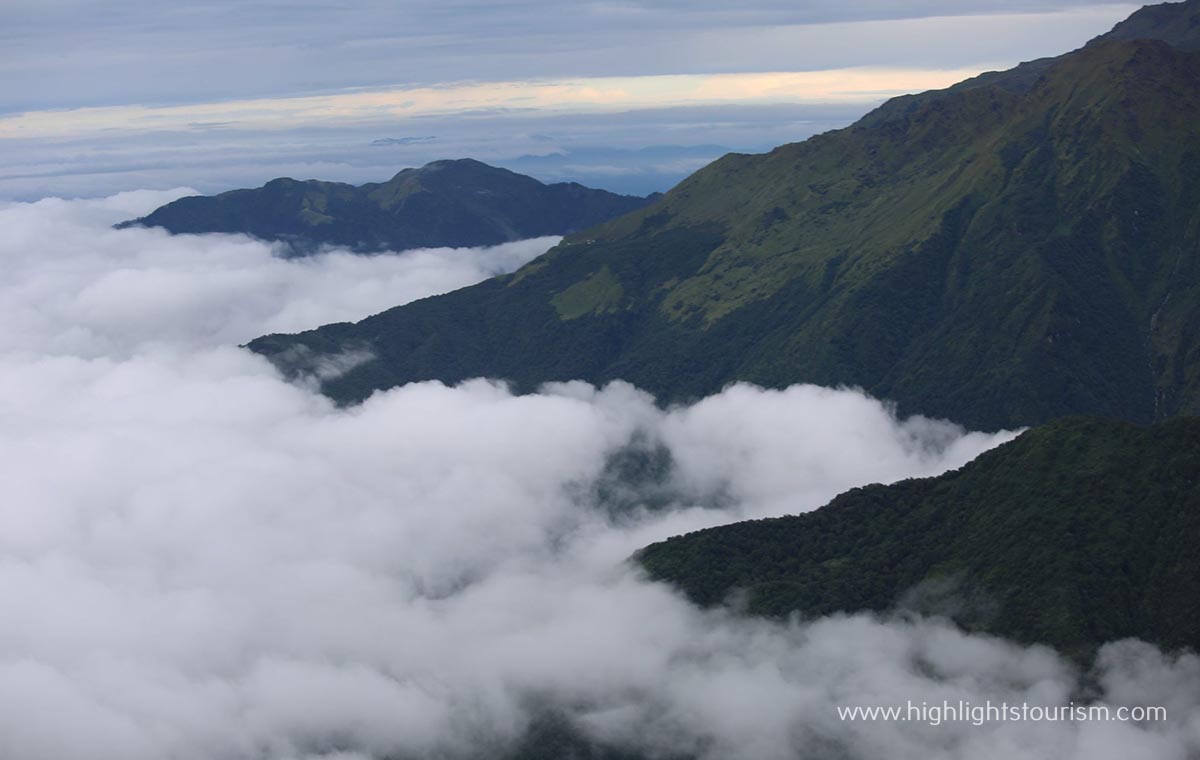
x: 76, y: 287
x: 199, y: 560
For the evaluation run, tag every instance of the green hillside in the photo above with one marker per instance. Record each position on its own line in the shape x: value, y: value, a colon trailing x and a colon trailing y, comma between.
x: 1177, y: 24
x: 445, y: 203
x: 996, y: 255
x: 1075, y: 534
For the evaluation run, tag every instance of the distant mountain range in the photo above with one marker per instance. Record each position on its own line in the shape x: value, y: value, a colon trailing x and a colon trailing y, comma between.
x: 1076, y: 533
x: 1011, y: 250
x: 444, y: 203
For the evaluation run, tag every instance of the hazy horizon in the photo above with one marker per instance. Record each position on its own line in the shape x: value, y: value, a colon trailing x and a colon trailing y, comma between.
x: 629, y: 97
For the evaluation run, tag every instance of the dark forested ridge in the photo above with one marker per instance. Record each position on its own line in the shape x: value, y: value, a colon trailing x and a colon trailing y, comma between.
x: 1001, y: 254
x: 1077, y: 533
x: 445, y: 203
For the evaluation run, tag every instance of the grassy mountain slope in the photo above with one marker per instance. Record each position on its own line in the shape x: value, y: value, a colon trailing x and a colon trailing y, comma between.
x: 994, y: 256
x: 445, y: 203
x: 1074, y: 534
x: 1177, y: 24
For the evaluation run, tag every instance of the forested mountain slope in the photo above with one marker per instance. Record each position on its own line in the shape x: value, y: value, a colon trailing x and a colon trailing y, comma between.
x: 1075, y: 534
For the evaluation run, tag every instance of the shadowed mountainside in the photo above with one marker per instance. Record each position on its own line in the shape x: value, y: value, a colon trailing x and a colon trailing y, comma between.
x: 445, y: 203
x: 1075, y: 534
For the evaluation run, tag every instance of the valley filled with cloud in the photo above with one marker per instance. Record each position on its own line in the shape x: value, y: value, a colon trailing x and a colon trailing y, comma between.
x: 201, y: 560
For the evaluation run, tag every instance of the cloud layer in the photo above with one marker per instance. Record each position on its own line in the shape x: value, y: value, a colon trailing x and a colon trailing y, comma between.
x: 92, y: 291
x: 73, y: 53
x: 199, y: 560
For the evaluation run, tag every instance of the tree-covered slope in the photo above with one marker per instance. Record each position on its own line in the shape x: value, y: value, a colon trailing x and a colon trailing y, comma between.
x: 1000, y: 257
x: 445, y: 203
x: 1074, y: 534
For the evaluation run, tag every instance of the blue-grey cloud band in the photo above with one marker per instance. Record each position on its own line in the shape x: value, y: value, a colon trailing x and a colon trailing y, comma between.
x: 72, y: 53
x: 635, y: 152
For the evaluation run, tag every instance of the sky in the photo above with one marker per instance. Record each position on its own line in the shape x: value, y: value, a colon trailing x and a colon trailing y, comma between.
x: 200, y: 560
x: 101, y: 97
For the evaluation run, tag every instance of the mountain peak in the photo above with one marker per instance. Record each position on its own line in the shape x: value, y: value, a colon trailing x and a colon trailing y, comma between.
x: 449, y: 203
x: 460, y: 163
x: 1177, y: 24
x: 453, y: 166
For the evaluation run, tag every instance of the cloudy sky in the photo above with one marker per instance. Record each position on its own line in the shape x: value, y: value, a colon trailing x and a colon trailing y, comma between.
x: 107, y: 96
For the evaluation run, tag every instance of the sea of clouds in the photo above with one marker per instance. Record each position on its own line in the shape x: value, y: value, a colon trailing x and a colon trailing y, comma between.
x: 200, y: 560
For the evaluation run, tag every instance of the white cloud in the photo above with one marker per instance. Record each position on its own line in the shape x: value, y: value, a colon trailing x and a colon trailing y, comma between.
x: 93, y: 291
x: 199, y: 560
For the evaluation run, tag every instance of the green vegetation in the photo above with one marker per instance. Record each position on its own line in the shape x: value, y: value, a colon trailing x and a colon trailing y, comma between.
x: 445, y: 203
x: 1001, y: 254
x: 1075, y: 534
x: 597, y: 294
x: 1174, y: 23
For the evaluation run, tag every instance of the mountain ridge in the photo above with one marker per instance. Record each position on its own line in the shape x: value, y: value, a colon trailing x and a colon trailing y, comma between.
x: 1074, y: 534
x: 447, y: 203
x: 994, y: 257
x: 1178, y: 24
